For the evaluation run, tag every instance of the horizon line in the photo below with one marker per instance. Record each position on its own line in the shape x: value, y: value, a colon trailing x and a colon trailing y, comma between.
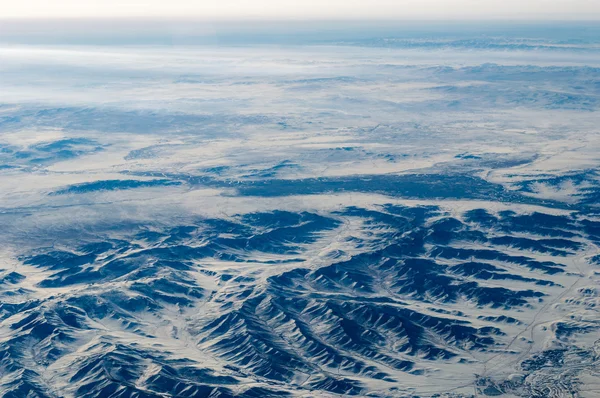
x: 152, y: 18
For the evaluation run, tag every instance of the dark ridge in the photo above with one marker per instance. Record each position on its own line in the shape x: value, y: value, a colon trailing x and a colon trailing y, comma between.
x: 11, y: 278
x: 547, y: 267
x: 541, y: 246
x: 487, y: 271
x: 411, y: 186
x: 500, y: 319
x: 112, y: 185
x: 427, y: 281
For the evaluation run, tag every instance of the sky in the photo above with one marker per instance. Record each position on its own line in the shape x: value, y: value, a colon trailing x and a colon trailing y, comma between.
x: 304, y: 9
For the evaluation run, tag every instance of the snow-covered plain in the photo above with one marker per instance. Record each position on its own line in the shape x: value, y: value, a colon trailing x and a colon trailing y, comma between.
x: 378, y: 216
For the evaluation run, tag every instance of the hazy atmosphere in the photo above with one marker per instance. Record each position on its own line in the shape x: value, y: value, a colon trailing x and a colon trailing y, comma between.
x: 260, y: 199
x: 311, y: 9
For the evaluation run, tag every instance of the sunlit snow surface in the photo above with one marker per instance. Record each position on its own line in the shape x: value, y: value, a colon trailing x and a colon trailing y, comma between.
x: 393, y: 215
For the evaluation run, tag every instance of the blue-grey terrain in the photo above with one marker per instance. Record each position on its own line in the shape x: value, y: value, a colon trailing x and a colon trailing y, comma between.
x: 404, y: 210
